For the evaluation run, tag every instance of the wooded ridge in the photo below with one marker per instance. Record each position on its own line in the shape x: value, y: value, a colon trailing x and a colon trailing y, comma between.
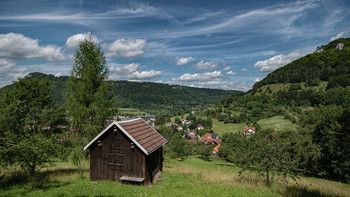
x: 153, y: 98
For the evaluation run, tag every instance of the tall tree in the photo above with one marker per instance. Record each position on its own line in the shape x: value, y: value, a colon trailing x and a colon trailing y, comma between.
x: 90, y: 102
x: 26, y: 135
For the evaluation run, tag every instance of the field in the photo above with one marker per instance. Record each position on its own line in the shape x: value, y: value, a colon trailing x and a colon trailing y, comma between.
x: 188, y: 177
x: 221, y: 128
x: 131, y: 112
x: 277, y: 123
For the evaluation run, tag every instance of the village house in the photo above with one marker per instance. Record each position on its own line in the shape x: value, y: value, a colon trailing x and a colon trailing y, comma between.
x: 216, y: 149
x: 248, y: 130
x: 211, y: 138
x: 179, y: 128
x: 127, y: 151
x: 199, y: 127
x: 184, y: 121
x: 170, y: 124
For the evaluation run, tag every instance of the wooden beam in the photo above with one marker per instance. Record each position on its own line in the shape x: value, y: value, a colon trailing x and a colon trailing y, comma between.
x: 134, y: 179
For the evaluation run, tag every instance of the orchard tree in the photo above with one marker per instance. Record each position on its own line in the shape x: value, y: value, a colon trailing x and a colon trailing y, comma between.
x: 269, y: 153
x: 27, y: 125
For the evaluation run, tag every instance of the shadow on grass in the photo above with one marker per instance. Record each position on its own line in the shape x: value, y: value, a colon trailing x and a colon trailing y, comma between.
x: 293, y: 191
x: 40, y: 180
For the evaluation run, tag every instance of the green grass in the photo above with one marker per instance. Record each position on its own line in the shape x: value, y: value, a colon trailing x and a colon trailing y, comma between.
x: 277, y: 123
x: 220, y: 128
x: 188, y: 177
x: 131, y: 111
x: 285, y: 86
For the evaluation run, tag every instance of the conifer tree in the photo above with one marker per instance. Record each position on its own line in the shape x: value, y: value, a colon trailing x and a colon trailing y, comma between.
x: 90, y: 103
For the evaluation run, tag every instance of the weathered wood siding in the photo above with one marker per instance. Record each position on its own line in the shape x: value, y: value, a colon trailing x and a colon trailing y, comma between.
x: 154, y: 163
x: 115, y: 158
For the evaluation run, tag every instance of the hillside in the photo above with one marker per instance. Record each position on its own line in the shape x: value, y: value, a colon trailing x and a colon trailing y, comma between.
x: 327, y: 63
x: 153, y: 98
x: 311, y: 96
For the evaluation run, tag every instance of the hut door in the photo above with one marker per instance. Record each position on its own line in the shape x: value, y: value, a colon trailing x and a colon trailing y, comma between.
x: 116, y: 160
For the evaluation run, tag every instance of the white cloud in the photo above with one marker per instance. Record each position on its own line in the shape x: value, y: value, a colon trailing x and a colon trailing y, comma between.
x: 125, y: 48
x: 226, y: 85
x: 205, y: 65
x: 74, y: 41
x: 244, y: 69
x: 257, y: 79
x: 226, y: 68
x: 58, y: 74
x: 131, y: 72
x: 231, y: 73
x: 340, y: 35
x: 6, y: 65
x: 145, y: 75
x: 184, y: 60
x: 277, y: 61
x: 208, y: 76
x: 13, y: 45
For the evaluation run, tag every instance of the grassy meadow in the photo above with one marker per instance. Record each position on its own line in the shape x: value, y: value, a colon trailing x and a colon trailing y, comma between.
x: 188, y: 177
x: 220, y: 128
x: 277, y: 123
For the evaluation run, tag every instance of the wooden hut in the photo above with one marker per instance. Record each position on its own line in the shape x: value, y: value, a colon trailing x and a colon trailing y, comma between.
x: 127, y: 151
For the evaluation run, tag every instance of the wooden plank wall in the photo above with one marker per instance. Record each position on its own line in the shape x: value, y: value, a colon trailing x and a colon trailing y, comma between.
x: 115, y: 158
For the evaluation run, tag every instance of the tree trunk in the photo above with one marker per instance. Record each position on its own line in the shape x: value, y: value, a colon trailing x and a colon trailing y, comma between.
x: 81, y: 171
x: 268, y: 177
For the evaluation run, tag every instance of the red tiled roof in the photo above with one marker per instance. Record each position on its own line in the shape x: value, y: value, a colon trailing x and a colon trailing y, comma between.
x: 207, y: 139
x: 143, y: 135
x: 247, y: 128
x: 216, y: 148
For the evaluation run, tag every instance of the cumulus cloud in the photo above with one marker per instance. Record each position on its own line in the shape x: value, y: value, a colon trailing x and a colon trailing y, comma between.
x: 257, y: 79
x: 244, y: 69
x: 208, y: 76
x: 231, y: 73
x: 6, y: 65
x: 74, y: 41
x: 13, y: 45
x: 131, y: 72
x: 340, y: 35
x: 226, y: 68
x: 277, y: 61
x: 125, y: 48
x: 184, y: 60
x: 205, y: 65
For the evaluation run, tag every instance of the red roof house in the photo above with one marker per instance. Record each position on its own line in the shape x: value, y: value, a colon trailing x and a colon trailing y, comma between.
x: 210, y: 138
x: 248, y: 130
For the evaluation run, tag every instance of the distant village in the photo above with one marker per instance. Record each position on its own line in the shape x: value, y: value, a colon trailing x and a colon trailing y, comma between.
x: 191, y: 135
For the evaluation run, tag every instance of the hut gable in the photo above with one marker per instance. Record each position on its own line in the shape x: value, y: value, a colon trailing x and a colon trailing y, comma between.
x: 139, y: 132
x: 127, y: 151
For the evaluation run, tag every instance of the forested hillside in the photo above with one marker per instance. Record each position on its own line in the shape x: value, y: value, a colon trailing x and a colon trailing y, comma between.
x: 154, y: 98
x: 313, y: 93
x: 328, y: 63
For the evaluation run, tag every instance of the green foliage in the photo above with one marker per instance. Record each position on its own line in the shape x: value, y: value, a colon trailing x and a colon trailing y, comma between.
x: 89, y: 101
x: 28, y: 125
x: 166, y: 131
x: 205, y: 151
x: 178, y: 147
x: 266, y: 153
x: 329, y: 65
x: 330, y: 129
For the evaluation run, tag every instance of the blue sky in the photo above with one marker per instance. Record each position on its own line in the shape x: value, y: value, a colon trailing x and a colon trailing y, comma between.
x: 212, y: 44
